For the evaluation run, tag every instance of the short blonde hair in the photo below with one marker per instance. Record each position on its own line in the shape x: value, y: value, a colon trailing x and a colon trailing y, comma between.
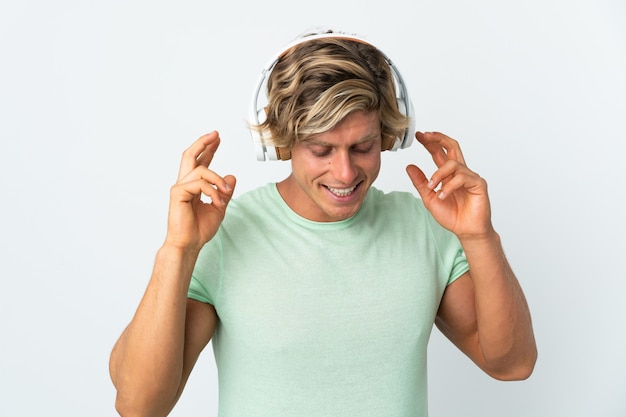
x: 316, y: 84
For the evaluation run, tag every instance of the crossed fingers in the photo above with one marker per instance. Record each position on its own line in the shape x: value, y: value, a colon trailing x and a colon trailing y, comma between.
x: 452, y: 173
x: 194, y: 175
x: 200, y: 153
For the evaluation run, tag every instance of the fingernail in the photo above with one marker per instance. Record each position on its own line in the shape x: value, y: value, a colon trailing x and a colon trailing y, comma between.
x: 431, y: 184
x: 441, y: 195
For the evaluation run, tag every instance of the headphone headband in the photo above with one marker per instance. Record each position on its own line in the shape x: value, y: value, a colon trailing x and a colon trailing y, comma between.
x: 265, y: 151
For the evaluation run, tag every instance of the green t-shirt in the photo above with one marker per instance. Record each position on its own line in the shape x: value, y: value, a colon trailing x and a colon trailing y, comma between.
x: 325, y: 319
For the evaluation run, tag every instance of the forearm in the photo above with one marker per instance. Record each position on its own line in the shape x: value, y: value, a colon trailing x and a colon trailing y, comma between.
x: 504, y: 327
x: 146, y: 363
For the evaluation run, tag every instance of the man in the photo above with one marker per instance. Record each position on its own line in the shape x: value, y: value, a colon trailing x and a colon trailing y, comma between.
x: 320, y: 291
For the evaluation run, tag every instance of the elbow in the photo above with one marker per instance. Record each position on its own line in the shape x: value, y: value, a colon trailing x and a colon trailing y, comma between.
x: 142, y: 400
x: 138, y: 398
x: 125, y: 407
x: 142, y: 403
x: 517, y: 370
x: 519, y: 373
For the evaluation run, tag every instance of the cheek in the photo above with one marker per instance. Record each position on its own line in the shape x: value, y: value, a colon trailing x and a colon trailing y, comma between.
x: 372, y: 165
x: 308, y: 167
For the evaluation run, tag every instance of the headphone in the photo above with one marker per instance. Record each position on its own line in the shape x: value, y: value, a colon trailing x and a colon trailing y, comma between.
x: 266, y: 151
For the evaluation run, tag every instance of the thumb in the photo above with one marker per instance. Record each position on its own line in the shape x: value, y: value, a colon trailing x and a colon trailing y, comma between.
x: 419, y: 180
x: 230, y: 181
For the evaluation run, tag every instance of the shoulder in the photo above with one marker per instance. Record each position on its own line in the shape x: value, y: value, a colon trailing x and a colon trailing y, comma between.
x: 405, y: 213
x: 261, y: 193
x: 252, y: 210
x: 252, y: 201
x: 395, y: 202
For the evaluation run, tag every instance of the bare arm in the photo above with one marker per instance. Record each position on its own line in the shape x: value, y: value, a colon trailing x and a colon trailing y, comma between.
x: 152, y: 359
x: 484, y: 312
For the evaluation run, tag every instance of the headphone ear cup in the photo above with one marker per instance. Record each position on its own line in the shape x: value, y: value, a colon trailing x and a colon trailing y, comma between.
x: 257, y: 136
x: 261, y: 116
x: 400, y: 140
x: 407, y: 137
x: 263, y: 150
x: 407, y: 108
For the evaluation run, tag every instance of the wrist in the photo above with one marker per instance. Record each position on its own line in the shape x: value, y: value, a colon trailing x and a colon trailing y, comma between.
x: 177, y: 253
x: 482, y: 242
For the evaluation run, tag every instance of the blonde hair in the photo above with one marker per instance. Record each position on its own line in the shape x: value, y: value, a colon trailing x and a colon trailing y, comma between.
x: 316, y: 84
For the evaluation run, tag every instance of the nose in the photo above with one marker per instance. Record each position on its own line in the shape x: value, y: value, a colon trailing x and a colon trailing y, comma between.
x: 343, y: 167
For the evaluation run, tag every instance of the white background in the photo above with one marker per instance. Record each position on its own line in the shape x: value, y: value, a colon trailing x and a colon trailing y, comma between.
x: 98, y: 99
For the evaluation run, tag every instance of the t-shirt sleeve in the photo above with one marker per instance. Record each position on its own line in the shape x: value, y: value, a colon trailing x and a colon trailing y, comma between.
x: 450, y: 250
x: 206, y: 277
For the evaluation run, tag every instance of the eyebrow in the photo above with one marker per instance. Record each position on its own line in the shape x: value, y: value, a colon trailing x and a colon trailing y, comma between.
x: 313, y: 141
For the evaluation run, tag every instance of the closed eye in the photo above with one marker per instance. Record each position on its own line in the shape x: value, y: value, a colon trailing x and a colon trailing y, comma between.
x: 320, y: 151
x: 363, y: 148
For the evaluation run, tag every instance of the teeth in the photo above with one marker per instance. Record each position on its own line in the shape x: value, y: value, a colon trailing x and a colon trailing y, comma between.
x: 341, y: 192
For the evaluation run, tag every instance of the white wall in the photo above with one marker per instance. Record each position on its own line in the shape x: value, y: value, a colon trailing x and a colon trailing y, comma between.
x: 98, y: 99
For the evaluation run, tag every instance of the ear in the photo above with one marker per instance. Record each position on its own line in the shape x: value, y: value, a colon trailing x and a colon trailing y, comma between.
x: 283, y: 153
x: 387, y: 143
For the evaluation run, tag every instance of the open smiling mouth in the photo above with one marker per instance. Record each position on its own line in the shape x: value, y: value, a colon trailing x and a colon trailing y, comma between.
x: 341, y: 192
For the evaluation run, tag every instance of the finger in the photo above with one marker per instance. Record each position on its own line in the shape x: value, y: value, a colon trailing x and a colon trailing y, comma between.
x: 195, y: 192
x: 207, y: 154
x: 452, y: 147
x: 454, y: 183
x: 420, y: 182
x: 447, y: 172
x: 199, y: 153
x: 194, y: 189
x: 441, y: 147
x: 229, y: 182
x: 436, y: 151
x: 191, y: 190
x: 219, y: 198
x: 454, y: 176
x: 223, y: 184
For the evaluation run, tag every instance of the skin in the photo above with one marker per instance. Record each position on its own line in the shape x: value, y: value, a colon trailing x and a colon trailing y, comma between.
x: 152, y: 359
x: 341, y: 159
x: 484, y: 312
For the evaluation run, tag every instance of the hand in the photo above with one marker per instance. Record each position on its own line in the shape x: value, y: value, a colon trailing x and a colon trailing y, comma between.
x: 456, y: 196
x: 191, y: 221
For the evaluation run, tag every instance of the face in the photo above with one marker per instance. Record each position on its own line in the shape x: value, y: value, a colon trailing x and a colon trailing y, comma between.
x: 332, y: 171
